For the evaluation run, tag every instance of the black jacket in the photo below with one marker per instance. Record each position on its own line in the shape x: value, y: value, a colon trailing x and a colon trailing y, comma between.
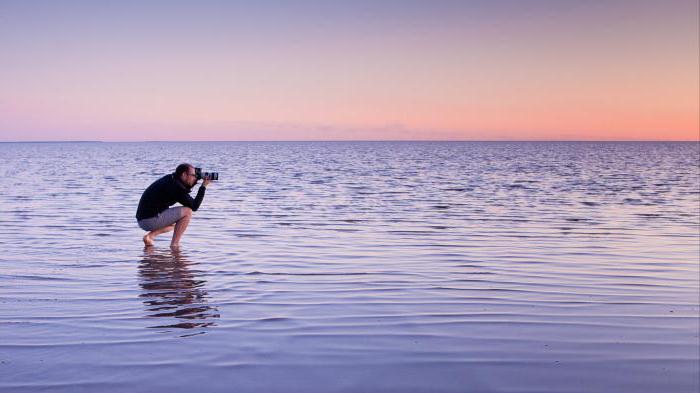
x: 165, y: 192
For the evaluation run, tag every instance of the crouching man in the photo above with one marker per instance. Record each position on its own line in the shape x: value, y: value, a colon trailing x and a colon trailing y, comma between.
x: 154, y: 213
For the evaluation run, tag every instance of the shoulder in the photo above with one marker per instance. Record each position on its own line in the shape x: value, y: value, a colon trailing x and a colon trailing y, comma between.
x: 176, y: 185
x: 162, y: 182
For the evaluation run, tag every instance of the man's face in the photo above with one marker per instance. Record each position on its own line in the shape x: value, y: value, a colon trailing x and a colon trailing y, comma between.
x: 189, y: 178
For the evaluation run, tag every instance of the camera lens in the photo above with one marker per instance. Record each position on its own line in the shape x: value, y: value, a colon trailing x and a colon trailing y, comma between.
x: 201, y: 175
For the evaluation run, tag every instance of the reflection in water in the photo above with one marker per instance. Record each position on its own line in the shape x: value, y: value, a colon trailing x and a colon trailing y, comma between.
x: 171, y: 291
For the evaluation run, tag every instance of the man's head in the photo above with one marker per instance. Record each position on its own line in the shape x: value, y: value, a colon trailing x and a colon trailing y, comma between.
x: 185, y: 172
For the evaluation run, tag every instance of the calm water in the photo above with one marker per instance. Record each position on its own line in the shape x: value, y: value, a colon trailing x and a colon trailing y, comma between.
x: 354, y: 267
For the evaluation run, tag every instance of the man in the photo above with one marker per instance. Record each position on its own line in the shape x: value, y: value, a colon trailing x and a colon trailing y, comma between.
x: 154, y: 213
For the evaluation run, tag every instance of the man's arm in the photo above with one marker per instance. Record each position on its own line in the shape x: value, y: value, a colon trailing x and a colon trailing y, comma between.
x: 188, y: 201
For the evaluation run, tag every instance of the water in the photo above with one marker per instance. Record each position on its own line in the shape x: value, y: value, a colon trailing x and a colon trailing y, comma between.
x: 354, y: 267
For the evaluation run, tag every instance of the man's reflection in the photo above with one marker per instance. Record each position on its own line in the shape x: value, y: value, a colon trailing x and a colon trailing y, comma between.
x: 172, y: 291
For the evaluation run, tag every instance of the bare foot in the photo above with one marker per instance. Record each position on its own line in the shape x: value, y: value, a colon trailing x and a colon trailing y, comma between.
x: 147, y: 240
x: 175, y: 246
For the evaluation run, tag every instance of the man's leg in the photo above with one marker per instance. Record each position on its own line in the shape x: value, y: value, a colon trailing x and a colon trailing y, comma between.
x: 148, y: 238
x: 180, y: 226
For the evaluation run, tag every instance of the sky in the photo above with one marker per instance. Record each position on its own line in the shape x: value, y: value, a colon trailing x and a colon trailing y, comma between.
x: 349, y: 70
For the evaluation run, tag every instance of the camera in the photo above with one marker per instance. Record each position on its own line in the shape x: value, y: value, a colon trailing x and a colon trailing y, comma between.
x: 201, y: 175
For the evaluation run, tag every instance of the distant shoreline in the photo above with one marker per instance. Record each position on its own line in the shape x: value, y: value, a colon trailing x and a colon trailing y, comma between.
x: 377, y: 141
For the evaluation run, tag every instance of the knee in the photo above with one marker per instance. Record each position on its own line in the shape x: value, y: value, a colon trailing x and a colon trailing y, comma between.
x: 186, y: 212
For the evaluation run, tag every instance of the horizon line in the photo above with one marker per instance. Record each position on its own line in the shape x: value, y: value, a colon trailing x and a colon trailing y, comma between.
x: 359, y: 140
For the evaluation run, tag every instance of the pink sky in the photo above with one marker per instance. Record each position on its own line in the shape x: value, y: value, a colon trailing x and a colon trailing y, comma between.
x: 465, y: 70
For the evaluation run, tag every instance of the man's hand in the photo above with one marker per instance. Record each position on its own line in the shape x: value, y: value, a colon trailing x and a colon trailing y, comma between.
x: 206, y: 181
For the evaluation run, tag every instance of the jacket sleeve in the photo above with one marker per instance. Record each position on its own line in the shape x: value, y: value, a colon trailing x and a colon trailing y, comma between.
x: 186, y: 200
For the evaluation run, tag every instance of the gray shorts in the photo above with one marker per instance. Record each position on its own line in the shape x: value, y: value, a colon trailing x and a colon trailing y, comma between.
x: 163, y: 219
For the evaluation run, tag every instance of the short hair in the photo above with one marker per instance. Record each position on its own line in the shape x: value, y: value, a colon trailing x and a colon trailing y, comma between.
x: 182, y: 168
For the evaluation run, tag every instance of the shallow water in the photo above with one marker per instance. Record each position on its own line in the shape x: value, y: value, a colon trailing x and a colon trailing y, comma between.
x: 354, y: 267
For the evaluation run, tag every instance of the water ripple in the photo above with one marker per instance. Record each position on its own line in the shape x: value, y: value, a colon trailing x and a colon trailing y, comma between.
x: 342, y: 267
